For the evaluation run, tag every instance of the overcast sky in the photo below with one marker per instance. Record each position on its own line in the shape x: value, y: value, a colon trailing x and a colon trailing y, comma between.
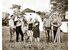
x: 37, y: 5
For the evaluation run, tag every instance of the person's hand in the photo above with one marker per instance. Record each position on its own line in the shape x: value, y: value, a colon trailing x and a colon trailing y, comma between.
x: 36, y: 24
x: 55, y: 25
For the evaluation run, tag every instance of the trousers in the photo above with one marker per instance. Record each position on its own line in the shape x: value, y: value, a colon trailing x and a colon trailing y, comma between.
x: 19, y: 31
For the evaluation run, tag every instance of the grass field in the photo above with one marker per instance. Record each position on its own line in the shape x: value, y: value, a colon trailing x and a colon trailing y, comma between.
x: 42, y: 45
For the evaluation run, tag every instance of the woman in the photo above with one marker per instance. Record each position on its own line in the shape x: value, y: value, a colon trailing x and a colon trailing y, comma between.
x: 24, y: 28
x: 56, y: 23
x: 36, y: 31
x: 30, y: 32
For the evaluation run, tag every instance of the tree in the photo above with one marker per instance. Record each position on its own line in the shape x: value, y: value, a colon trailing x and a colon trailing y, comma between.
x: 5, y: 16
x: 60, y: 5
x: 16, y: 6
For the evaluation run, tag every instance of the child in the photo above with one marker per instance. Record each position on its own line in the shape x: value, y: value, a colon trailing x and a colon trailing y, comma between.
x: 11, y: 26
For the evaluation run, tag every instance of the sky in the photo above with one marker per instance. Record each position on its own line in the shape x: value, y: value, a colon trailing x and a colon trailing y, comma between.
x: 37, y: 5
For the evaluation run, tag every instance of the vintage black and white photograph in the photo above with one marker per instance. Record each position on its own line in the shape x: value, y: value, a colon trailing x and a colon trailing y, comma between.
x: 34, y: 24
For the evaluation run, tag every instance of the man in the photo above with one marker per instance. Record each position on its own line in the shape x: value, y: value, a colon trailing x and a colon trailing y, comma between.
x: 17, y: 21
x: 18, y: 29
x: 47, y: 27
x: 11, y: 26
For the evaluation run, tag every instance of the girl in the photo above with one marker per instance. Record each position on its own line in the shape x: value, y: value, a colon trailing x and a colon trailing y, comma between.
x: 30, y: 32
x: 36, y: 31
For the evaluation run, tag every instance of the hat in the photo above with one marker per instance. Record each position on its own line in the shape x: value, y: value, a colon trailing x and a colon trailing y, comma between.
x: 15, y: 6
x: 21, y: 13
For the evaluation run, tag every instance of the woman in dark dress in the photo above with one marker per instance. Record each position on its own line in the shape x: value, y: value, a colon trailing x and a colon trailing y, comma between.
x: 36, y: 31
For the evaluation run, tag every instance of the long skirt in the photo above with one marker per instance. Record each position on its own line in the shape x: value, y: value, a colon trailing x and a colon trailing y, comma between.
x: 55, y: 31
x: 36, y: 32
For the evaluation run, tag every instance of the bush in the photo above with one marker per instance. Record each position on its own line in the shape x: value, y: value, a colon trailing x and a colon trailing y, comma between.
x: 5, y: 22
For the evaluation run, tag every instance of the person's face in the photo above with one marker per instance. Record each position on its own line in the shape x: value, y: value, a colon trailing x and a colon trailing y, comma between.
x: 18, y: 19
x: 16, y: 11
x: 47, y: 16
x: 30, y: 19
x: 12, y: 17
x: 54, y: 16
x: 36, y: 19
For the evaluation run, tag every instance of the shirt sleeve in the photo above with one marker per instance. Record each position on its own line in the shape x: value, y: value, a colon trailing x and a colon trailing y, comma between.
x: 9, y: 22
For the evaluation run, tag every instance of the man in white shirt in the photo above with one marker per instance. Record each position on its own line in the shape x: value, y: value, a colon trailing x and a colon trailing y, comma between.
x: 19, y: 29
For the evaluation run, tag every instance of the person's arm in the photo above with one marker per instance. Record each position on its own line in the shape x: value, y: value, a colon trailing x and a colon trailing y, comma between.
x: 34, y: 25
x: 59, y: 22
x: 22, y: 26
x: 28, y: 22
x: 52, y: 23
x: 9, y: 23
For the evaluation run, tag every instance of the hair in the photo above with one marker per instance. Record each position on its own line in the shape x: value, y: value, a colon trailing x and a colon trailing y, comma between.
x: 30, y: 14
x: 11, y: 15
x: 24, y: 20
